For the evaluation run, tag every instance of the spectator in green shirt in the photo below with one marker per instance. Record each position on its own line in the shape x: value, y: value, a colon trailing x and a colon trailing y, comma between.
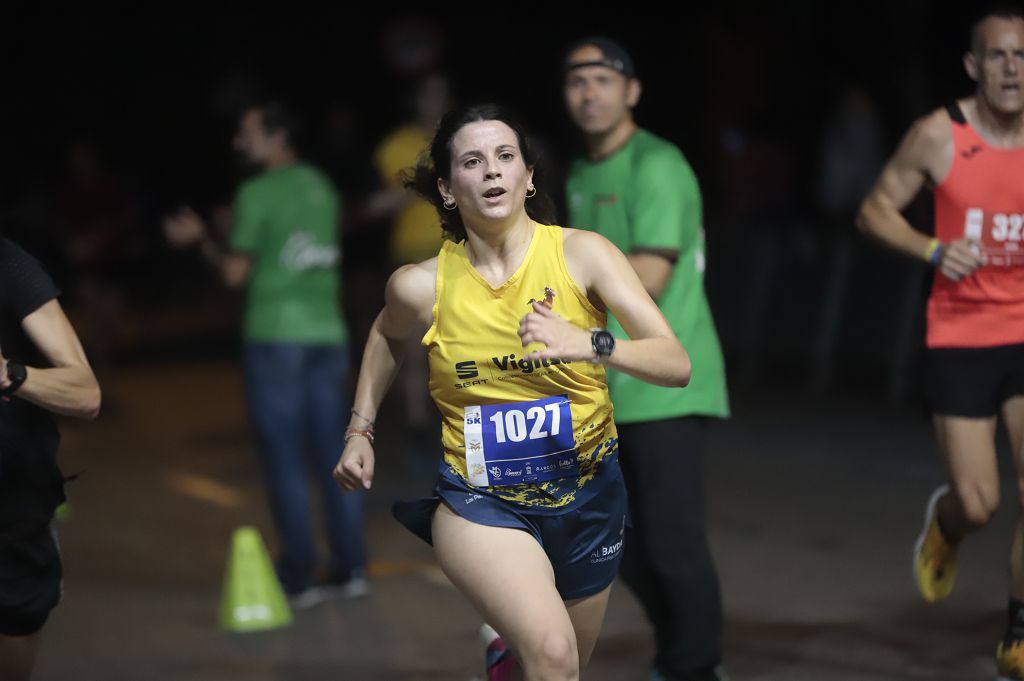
x: 284, y: 248
x: 637, y: 190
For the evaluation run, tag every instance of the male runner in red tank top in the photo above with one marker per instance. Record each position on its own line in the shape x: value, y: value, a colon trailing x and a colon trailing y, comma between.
x: 971, y: 154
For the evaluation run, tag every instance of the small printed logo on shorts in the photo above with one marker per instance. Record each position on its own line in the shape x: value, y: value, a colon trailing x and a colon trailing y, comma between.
x: 472, y: 497
x: 606, y: 553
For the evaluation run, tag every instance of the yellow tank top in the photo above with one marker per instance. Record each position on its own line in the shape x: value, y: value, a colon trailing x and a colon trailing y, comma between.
x: 476, y: 361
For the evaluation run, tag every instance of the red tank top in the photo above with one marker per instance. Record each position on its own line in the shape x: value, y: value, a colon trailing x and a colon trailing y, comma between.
x: 982, y: 197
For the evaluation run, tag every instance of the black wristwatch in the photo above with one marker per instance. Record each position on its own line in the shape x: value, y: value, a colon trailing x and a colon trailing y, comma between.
x: 16, y: 374
x: 603, y: 343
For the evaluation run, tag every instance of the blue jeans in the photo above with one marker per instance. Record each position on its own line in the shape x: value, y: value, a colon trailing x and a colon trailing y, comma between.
x: 298, y: 414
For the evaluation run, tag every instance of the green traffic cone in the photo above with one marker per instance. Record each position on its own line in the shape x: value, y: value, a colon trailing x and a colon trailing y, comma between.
x: 252, y: 599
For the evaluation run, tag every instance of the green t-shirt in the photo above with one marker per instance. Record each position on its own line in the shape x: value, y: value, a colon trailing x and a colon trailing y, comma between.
x: 287, y: 221
x: 645, y: 196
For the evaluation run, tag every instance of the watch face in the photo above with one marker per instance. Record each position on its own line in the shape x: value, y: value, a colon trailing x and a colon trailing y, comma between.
x: 604, y: 342
x: 16, y: 375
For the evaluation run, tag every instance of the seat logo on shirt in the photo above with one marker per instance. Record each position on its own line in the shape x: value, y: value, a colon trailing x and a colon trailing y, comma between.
x: 466, y: 369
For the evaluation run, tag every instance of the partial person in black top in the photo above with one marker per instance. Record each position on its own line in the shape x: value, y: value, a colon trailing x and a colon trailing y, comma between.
x: 43, y: 371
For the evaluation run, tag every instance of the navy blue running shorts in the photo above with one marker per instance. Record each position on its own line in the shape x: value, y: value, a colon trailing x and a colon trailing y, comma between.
x: 584, y: 544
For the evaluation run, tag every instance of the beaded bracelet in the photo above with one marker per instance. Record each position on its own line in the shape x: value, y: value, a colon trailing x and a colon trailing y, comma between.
x: 352, y: 432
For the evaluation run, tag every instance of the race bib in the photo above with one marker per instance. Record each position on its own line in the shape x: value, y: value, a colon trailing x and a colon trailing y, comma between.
x: 508, y: 444
x: 1001, y: 236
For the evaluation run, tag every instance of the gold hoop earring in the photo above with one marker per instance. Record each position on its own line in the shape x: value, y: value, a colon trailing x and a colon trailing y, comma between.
x: 449, y: 206
x: 529, y: 189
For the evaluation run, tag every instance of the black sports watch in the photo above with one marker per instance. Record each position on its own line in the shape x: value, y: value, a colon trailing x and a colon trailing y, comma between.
x: 16, y: 374
x: 603, y: 343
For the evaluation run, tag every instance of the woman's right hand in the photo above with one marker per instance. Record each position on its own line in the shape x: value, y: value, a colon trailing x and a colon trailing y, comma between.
x: 355, y: 468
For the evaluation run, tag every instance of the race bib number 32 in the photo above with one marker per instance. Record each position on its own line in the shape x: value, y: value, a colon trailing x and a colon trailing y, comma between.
x: 508, y: 444
x: 1001, y: 235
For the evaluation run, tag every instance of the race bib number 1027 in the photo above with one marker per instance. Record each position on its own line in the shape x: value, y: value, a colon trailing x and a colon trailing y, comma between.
x: 517, y: 442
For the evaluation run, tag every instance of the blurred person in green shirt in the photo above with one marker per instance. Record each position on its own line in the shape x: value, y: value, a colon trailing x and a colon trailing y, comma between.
x: 284, y: 249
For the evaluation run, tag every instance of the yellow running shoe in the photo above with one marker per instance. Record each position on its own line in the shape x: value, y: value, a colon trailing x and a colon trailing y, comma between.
x: 934, y: 557
x: 1010, y: 661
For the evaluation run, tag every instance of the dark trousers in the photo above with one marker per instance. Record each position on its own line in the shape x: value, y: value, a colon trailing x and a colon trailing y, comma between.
x: 667, y: 562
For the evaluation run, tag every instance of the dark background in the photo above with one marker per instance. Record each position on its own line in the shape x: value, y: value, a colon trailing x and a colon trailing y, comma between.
x: 150, y: 100
x: 815, y: 485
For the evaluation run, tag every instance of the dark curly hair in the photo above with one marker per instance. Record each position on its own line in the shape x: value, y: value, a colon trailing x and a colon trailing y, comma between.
x: 438, y: 164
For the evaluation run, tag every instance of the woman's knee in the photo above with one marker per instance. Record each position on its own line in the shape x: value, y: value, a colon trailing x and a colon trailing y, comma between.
x: 551, y: 655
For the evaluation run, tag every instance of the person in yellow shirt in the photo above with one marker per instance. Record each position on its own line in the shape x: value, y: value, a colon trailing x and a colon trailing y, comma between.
x: 411, y: 239
x: 414, y: 236
x: 528, y: 510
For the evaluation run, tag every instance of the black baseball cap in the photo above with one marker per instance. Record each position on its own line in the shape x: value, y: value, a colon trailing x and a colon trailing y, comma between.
x: 613, y: 55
